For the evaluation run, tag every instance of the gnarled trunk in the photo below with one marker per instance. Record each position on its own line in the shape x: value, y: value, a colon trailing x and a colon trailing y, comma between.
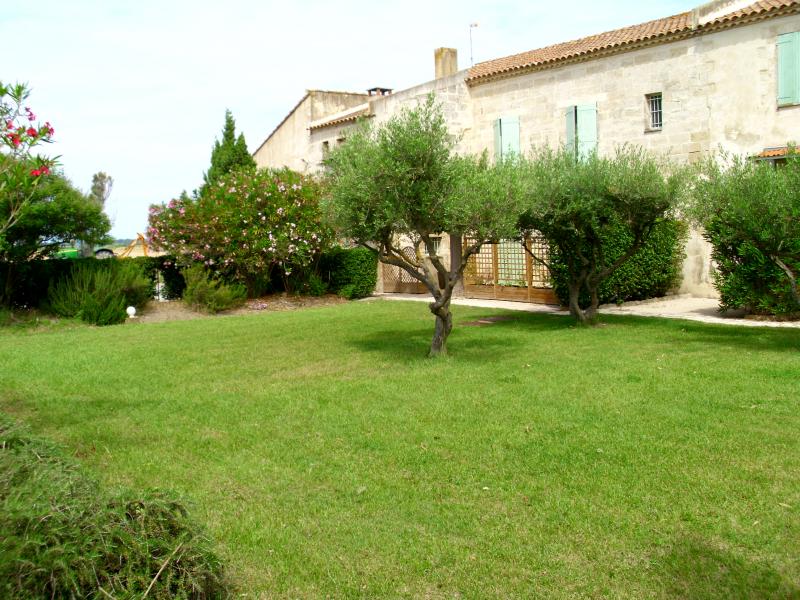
x: 444, y: 324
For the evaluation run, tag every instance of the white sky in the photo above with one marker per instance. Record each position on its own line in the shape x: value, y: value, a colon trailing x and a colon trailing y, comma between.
x: 139, y: 89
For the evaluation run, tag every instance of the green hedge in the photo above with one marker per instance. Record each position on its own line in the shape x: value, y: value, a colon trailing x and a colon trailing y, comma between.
x: 650, y: 273
x: 30, y: 281
x: 63, y: 536
x: 745, y: 278
x: 349, y: 272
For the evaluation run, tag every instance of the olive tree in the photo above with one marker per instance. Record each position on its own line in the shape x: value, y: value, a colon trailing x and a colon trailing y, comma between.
x: 751, y: 213
x: 573, y: 202
x: 401, y: 184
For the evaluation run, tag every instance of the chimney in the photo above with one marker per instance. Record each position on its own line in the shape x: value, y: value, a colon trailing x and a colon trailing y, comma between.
x: 446, y: 61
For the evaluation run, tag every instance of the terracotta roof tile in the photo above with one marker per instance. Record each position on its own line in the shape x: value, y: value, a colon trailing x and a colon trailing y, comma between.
x: 652, y: 30
x: 773, y: 153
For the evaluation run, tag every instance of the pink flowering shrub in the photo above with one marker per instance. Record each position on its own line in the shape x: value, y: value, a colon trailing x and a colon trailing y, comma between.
x: 245, y: 226
x: 20, y: 170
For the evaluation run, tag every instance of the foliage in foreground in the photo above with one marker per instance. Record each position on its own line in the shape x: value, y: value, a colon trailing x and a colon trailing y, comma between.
x: 652, y: 272
x: 750, y: 211
x: 65, y: 537
x: 400, y: 184
x: 98, y: 293
x: 210, y: 294
x: 576, y: 204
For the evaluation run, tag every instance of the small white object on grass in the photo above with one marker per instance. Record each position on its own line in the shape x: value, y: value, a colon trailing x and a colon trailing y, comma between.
x: 131, y: 310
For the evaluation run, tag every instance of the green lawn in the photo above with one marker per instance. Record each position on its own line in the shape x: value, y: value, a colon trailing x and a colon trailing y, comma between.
x: 328, y: 457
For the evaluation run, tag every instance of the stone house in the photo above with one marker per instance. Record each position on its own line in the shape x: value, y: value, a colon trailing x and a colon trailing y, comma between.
x: 723, y: 75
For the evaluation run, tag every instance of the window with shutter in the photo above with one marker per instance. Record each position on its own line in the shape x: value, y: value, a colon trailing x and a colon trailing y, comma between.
x: 789, y: 69
x: 506, y: 137
x: 582, y: 129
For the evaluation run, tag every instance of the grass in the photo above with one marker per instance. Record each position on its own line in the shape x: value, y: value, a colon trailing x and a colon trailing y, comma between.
x: 644, y: 458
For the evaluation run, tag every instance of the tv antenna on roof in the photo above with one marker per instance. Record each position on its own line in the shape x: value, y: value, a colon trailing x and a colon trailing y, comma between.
x: 471, y: 27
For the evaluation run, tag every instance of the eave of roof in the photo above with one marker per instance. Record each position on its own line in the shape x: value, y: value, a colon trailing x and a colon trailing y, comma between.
x: 659, y: 31
x: 779, y: 152
x: 345, y: 116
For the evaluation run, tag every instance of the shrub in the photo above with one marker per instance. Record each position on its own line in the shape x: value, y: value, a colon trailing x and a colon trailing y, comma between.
x: 750, y: 211
x: 350, y: 272
x: 207, y: 293
x: 650, y: 273
x: 245, y: 225
x: 65, y: 537
x: 746, y: 278
x: 98, y: 293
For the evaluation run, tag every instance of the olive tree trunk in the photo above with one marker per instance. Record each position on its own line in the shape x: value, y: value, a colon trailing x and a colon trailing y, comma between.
x: 444, y: 324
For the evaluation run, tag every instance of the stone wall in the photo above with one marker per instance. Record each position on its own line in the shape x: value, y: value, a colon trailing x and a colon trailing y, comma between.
x: 290, y: 145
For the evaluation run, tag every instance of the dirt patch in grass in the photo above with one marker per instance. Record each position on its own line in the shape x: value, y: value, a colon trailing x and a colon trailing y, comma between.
x: 175, y: 310
x: 483, y: 321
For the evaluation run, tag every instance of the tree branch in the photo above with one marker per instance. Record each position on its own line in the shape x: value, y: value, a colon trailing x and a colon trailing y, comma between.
x: 790, y: 274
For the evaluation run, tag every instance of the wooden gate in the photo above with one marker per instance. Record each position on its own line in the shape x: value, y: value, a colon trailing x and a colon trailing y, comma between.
x: 505, y: 271
x: 398, y: 281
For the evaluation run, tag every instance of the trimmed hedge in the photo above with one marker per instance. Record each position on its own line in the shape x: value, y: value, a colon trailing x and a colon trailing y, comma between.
x: 349, y: 272
x: 650, y: 273
x: 65, y: 537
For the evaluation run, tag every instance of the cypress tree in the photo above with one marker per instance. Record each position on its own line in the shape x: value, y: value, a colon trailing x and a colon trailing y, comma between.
x: 229, y: 154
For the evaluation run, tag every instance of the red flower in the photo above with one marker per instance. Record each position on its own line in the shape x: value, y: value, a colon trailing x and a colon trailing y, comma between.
x: 32, y: 132
x: 36, y: 172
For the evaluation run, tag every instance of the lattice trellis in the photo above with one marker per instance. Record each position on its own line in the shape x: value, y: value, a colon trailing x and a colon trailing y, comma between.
x: 396, y: 279
x: 506, y: 270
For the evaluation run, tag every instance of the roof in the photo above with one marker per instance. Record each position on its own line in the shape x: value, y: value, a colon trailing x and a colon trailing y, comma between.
x: 778, y: 152
x: 345, y: 116
x: 659, y: 31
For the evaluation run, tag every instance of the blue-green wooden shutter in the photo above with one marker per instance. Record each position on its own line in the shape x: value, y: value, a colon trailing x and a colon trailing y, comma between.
x: 571, y: 142
x: 789, y: 69
x: 509, y: 132
x: 587, y: 129
x: 498, y: 141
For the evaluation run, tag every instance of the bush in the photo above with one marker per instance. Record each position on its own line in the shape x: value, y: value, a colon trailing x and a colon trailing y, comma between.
x: 99, y: 292
x: 209, y: 294
x: 350, y: 272
x: 746, y: 278
x: 650, y: 273
x: 750, y: 211
x: 65, y: 537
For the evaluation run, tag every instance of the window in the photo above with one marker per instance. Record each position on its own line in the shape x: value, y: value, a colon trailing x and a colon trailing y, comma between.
x: 789, y: 69
x: 582, y: 129
x: 506, y: 137
x: 655, y: 112
x: 437, y: 244
x: 326, y: 147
